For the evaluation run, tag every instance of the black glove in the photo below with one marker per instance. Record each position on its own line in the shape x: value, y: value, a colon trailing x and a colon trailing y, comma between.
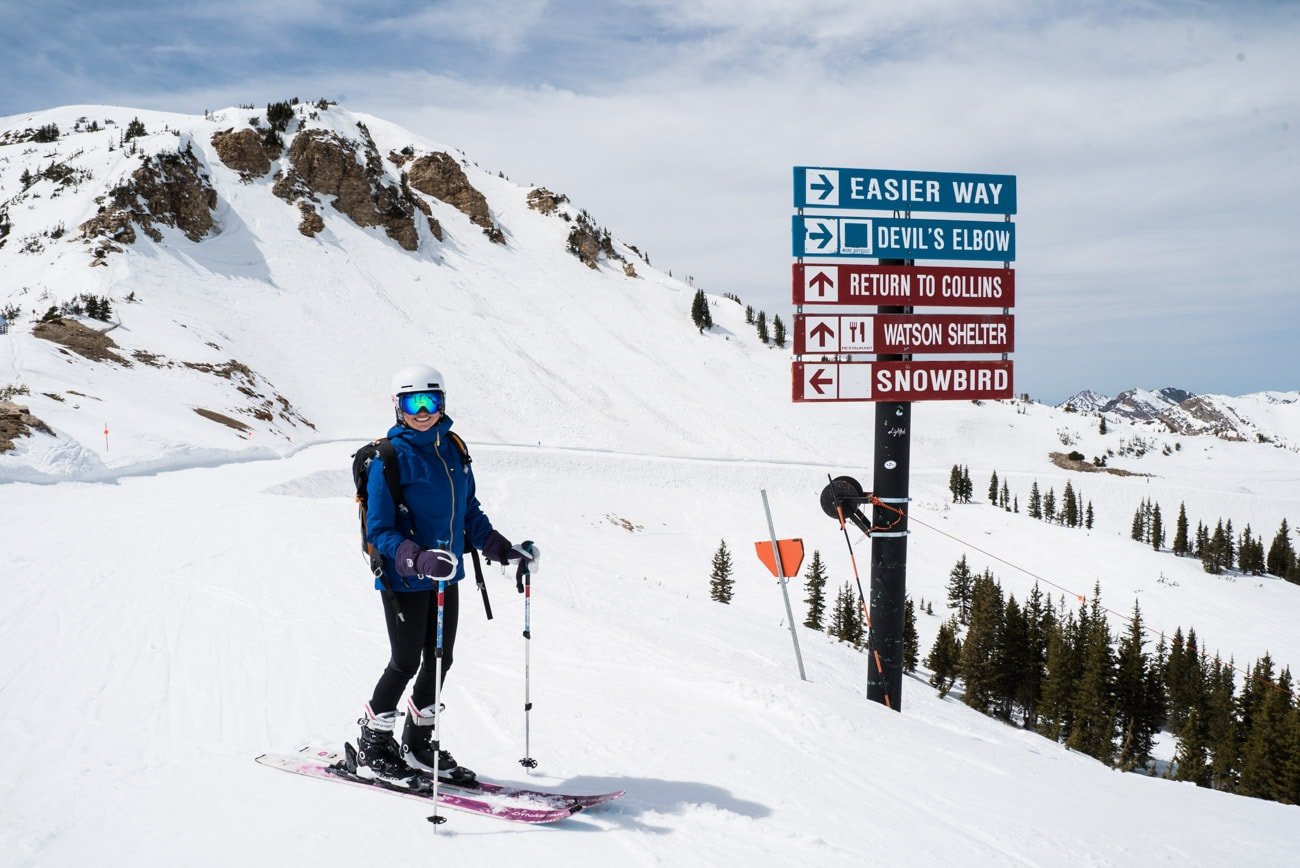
x: 431, y: 563
x: 497, y: 548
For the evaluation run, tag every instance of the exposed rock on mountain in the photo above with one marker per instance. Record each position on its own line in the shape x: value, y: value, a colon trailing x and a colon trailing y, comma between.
x: 323, y: 163
x: 1086, y: 401
x: 170, y: 188
x: 82, y: 340
x: 544, y: 201
x: 243, y: 151
x: 440, y: 176
x: 16, y: 422
x: 1142, y: 405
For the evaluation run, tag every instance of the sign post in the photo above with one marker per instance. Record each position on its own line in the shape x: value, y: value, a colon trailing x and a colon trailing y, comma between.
x: 893, y: 452
x: 825, y: 343
x: 781, y: 577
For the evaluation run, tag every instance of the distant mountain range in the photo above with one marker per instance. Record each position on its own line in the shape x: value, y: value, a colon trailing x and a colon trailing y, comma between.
x: 1265, y: 417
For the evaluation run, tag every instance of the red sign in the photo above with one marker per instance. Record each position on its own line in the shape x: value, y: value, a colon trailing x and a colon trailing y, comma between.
x: 903, y: 333
x: 903, y: 285
x: 902, y: 381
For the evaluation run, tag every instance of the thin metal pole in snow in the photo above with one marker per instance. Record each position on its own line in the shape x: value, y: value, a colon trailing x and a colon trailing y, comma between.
x: 785, y: 594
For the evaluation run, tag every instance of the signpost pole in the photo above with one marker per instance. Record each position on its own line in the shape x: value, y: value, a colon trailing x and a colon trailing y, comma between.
x: 893, y: 446
x: 780, y: 568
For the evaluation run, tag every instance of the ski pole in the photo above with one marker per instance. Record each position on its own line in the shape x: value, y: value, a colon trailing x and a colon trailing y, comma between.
x: 437, y: 707
x: 524, y: 583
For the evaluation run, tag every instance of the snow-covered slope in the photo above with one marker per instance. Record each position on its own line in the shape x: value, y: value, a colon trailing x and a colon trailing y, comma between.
x: 159, y: 631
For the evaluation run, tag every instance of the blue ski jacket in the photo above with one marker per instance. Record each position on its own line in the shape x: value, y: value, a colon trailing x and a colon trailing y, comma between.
x: 439, y: 491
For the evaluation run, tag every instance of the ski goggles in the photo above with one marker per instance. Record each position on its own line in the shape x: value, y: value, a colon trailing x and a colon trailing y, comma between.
x: 411, y: 403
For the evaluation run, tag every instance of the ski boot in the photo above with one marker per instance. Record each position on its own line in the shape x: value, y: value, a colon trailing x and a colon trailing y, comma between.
x: 418, y: 748
x: 377, y: 753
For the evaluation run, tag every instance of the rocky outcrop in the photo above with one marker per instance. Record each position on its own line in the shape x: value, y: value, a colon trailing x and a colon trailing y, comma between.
x: 440, y: 176
x: 80, y: 339
x: 16, y: 422
x: 587, y: 241
x: 323, y: 163
x: 243, y: 151
x: 170, y: 189
x: 544, y: 201
x: 311, y: 222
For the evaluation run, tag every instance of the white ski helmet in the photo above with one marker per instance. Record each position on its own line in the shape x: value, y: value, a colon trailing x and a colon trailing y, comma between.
x: 418, y: 378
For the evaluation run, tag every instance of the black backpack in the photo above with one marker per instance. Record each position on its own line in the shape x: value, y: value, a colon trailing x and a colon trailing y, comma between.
x: 382, y: 449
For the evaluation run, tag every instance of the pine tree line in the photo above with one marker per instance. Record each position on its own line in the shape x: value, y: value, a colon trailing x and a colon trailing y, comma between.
x: 1221, y: 548
x: 1070, y: 511
x: 1063, y: 674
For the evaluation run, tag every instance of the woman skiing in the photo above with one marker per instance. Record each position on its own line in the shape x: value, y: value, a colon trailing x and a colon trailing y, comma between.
x: 421, y: 544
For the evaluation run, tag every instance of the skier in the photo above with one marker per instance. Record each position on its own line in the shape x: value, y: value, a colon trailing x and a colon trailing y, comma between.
x: 421, y: 547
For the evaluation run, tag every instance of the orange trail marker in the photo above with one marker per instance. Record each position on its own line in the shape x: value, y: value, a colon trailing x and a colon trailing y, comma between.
x: 791, y: 556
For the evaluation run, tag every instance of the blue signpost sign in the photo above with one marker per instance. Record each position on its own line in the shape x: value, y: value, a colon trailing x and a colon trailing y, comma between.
x: 893, y: 238
x: 890, y: 190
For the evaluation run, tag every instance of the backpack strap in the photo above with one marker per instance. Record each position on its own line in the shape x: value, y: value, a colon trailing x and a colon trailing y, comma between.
x: 393, y: 478
x: 461, y: 448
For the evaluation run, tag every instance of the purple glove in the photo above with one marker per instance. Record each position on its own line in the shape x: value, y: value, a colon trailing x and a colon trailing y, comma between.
x: 432, y: 563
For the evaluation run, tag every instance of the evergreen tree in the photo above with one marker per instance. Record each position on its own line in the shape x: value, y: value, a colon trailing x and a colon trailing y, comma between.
x: 1070, y: 509
x: 911, y: 641
x: 720, y: 581
x: 699, y: 309
x: 815, y: 582
x: 979, y: 663
x: 1013, y: 657
x: 1093, y: 730
x: 1138, y: 530
x: 1049, y: 505
x: 1035, y: 501
x: 1157, y: 529
x: 1087, y: 518
x: 778, y: 331
x: 1006, y: 497
x: 1191, y: 759
x: 1054, y: 709
x: 1015, y: 505
x: 762, y: 327
x: 960, y: 585
x: 1138, y: 712
x: 749, y: 314
x: 1281, y: 555
x: 1180, y: 531
x: 993, y: 488
x: 1101, y: 427
x: 1264, y: 760
x: 1222, y: 734
x: 846, y: 625
x: 133, y: 129
x: 1029, y: 686
x: 967, y: 487
x: 954, y: 483
x: 1202, y: 540
x: 944, y: 657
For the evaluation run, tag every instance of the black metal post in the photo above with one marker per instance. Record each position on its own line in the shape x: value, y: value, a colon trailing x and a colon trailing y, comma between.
x: 893, y: 446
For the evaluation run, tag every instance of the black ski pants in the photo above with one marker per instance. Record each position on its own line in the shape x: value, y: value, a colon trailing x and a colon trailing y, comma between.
x: 413, y: 642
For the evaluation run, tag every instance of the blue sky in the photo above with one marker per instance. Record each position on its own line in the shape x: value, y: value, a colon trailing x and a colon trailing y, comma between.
x: 1156, y: 144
